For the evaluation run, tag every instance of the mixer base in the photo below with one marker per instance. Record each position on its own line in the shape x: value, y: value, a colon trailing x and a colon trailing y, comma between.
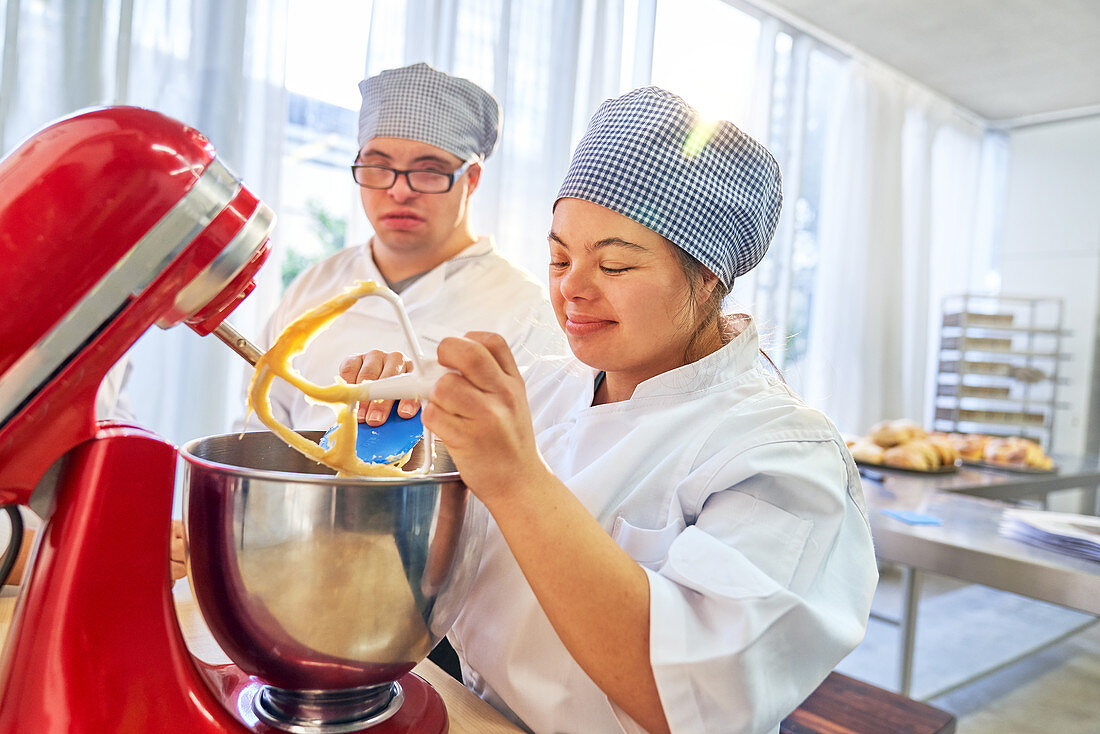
x: 422, y: 712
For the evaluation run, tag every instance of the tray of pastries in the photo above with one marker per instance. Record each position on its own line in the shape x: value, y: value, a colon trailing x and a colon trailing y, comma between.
x: 1011, y: 453
x: 903, y: 445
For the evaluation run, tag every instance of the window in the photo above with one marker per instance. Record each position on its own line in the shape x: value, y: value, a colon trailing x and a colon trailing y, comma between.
x: 705, y: 51
x: 773, y: 82
x: 320, y: 210
x: 804, y: 84
x: 779, y: 86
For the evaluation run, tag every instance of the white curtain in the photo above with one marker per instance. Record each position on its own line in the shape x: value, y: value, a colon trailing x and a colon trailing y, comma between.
x: 211, y: 64
x: 907, y: 202
x: 903, y: 177
x: 549, y: 62
x: 907, y: 183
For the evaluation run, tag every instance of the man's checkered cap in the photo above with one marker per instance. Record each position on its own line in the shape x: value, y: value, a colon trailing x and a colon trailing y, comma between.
x: 420, y: 103
x: 706, y: 186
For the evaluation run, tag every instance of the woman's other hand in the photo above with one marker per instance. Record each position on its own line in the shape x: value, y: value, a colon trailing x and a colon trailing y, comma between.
x: 375, y: 365
x: 479, y: 410
x: 594, y: 594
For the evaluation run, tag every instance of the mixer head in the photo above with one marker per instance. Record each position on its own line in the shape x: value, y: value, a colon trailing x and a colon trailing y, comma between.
x: 111, y: 220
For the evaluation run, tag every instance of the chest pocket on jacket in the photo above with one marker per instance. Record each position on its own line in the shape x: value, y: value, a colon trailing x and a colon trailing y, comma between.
x: 648, y: 547
x: 769, y: 536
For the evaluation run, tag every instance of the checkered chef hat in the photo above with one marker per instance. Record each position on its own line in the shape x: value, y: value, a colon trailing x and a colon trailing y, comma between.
x: 420, y: 103
x: 707, y: 187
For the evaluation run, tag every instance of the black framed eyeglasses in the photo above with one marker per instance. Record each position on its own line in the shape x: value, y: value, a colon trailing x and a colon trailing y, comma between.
x: 422, y: 182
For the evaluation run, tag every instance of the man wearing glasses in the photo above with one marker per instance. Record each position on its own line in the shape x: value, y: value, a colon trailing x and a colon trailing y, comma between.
x: 423, y: 136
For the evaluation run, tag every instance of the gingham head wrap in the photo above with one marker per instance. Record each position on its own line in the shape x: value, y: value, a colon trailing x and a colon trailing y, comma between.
x: 707, y: 187
x: 420, y: 103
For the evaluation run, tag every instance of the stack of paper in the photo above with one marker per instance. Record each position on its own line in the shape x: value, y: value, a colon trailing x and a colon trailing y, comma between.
x: 1077, y: 535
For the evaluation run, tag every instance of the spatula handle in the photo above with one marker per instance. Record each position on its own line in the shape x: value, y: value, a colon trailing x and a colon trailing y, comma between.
x: 415, y: 385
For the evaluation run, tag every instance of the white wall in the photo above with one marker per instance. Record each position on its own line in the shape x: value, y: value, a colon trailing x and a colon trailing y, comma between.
x: 1051, y: 247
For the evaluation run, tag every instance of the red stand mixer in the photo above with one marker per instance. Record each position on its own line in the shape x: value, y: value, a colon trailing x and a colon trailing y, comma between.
x: 111, y: 221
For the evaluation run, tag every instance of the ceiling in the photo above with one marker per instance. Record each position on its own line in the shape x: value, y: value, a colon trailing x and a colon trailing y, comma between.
x: 1008, y: 61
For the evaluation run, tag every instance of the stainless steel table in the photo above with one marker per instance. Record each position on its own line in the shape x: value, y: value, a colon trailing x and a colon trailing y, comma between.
x: 967, y: 544
x: 1002, y: 484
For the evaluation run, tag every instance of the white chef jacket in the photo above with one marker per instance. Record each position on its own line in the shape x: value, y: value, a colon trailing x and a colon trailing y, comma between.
x: 112, y: 400
x: 476, y: 290
x: 746, y: 511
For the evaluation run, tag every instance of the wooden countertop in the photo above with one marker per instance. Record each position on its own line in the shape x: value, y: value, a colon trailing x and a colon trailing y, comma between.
x: 468, y: 714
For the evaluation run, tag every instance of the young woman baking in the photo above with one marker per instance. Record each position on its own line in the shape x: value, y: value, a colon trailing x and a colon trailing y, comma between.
x: 679, y: 543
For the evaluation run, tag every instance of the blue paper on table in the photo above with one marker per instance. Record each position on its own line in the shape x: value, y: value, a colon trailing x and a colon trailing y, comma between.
x: 386, y: 443
x: 913, y: 518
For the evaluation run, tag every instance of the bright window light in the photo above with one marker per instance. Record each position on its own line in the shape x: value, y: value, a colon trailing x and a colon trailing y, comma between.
x: 705, y: 51
x: 325, y: 50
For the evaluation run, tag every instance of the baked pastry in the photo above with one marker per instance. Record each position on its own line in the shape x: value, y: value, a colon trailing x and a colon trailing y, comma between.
x: 915, y: 431
x: 885, y: 435
x: 919, y: 455
x: 924, y: 446
x: 1043, y: 462
x: 945, y: 447
x: 866, y: 451
x: 1016, y: 451
x: 971, y: 446
x: 894, y: 432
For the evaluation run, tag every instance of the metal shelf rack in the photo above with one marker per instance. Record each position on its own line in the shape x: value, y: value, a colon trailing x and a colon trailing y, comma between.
x: 999, y: 366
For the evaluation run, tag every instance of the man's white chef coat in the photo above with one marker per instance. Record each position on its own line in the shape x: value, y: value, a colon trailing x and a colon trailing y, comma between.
x: 745, y: 509
x: 476, y: 290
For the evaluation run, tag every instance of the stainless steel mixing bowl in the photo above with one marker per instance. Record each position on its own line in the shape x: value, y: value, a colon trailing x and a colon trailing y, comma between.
x: 325, y: 588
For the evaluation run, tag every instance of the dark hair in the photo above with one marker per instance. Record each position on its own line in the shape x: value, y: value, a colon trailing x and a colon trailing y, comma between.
x: 710, y: 309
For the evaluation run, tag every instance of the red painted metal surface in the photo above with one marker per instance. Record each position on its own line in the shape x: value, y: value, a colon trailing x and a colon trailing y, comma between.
x: 74, y: 199
x: 95, y: 646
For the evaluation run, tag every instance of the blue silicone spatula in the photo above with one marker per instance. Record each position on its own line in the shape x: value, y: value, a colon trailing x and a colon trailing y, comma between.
x: 386, y: 443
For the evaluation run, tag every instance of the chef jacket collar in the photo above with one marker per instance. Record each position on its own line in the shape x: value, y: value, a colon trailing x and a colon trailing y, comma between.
x: 423, y: 289
x: 730, y: 362
x: 483, y: 246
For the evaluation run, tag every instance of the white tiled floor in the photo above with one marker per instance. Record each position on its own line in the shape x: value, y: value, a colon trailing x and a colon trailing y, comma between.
x: 1054, y: 690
